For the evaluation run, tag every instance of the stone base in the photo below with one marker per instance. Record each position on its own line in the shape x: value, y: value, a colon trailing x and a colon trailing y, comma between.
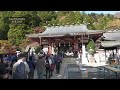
x: 84, y: 61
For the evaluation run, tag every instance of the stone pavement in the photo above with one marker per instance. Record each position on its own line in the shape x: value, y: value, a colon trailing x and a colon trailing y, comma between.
x: 64, y: 71
x: 70, y: 70
x: 73, y: 71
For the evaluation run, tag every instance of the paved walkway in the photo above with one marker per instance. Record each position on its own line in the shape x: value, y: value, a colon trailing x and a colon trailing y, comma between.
x: 64, y: 71
x: 70, y: 70
x: 73, y: 71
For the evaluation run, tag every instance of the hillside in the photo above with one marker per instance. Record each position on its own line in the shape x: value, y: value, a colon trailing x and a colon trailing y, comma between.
x: 117, y: 15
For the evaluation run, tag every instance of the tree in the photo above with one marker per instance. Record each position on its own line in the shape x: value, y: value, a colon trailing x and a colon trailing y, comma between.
x: 6, y: 47
x: 115, y: 24
x: 37, y: 50
x: 84, y: 15
x: 4, y: 25
x: 24, y: 44
x: 17, y: 32
x: 46, y: 17
x: 90, y: 21
x: 78, y: 17
x: 91, y: 46
x: 69, y: 18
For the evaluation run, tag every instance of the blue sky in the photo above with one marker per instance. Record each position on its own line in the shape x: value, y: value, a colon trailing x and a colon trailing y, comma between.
x: 104, y: 12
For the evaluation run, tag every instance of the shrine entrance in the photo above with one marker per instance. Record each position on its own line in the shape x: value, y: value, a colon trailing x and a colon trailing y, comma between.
x: 66, y: 38
x: 65, y: 47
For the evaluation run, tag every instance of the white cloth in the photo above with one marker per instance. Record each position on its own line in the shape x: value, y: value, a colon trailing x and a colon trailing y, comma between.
x: 50, y: 61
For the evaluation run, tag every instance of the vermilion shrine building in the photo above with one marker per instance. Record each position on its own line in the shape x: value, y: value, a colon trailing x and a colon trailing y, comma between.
x: 73, y: 36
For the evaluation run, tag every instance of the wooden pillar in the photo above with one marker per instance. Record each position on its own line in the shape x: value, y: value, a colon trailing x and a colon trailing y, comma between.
x: 82, y: 39
x: 40, y: 41
x: 116, y: 50
x: 49, y: 49
x: 52, y: 46
x: 105, y: 54
x: 74, y: 44
x: 113, y: 53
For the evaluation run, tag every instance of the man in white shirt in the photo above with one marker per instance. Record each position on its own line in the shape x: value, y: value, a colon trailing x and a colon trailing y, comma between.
x: 22, y: 59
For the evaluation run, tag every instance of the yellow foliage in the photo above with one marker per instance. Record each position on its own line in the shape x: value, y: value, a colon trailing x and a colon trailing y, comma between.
x: 113, y: 24
x: 5, y: 43
x: 62, y: 18
x: 6, y: 47
x: 24, y: 44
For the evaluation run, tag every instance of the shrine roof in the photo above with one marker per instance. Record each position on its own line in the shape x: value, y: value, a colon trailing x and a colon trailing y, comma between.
x: 112, y: 36
x: 57, y: 31
x: 107, y: 44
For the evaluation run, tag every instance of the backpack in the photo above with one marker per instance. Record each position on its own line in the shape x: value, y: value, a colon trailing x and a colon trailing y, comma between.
x: 20, y: 72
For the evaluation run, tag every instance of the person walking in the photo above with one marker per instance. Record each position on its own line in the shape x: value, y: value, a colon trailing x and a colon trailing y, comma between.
x: 52, y: 64
x: 58, y: 63
x: 3, y: 70
x: 48, y: 63
x: 21, y: 69
x: 32, y: 65
x: 40, y: 65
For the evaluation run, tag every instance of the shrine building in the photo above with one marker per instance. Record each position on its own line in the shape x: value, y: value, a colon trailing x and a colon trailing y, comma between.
x: 64, y: 38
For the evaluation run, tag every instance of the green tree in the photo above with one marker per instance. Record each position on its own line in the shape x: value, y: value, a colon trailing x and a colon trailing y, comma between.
x: 17, y: 31
x: 4, y: 25
x: 78, y: 17
x: 16, y: 34
x: 91, y: 46
x: 46, y: 17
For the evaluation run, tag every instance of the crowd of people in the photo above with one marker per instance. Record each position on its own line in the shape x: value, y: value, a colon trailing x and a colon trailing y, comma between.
x: 24, y: 66
x: 46, y: 64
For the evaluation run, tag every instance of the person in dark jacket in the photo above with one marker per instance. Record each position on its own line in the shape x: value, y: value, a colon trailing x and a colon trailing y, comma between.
x: 32, y: 65
x: 48, y: 63
x: 3, y: 70
x: 10, y: 69
x: 52, y: 64
x: 58, y: 63
x: 40, y: 65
